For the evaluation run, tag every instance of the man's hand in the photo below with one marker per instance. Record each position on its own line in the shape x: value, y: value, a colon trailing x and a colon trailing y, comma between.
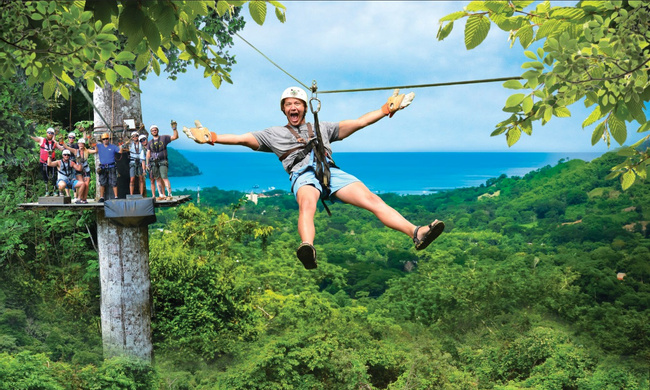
x: 200, y: 134
x: 397, y: 102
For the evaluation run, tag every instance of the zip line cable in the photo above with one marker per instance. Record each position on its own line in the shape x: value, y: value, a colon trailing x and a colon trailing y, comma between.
x: 426, y: 85
x: 379, y: 88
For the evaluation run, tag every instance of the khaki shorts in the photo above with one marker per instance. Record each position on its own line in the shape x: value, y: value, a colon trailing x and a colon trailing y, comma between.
x: 159, y: 169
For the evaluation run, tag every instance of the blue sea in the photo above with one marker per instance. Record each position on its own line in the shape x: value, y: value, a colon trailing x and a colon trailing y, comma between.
x: 416, y: 173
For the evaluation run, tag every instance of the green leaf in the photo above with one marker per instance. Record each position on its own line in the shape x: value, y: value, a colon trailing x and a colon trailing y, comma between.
x: 48, y: 87
x: 598, y: 133
x: 64, y: 76
x: 111, y: 76
x: 513, y: 84
x: 515, y: 100
x: 257, y: 9
x: 125, y: 56
x: 281, y: 15
x: 628, y: 179
x: 592, y: 118
x: 151, y: 32
x: 527, y: 104
x: 156, y: 66
x: 161, y: 54
x: 216, y: 80
x: 561, y: 112
x: 645, y: 127
x: 530, y: 54
x: 636, y: 110
x: 618, y: 128
x: 123, y: 71
x: 453, y: 16
x: 126, y: 94
x: 525, y: 35
x: 476, y: 30
x: 444, y: 31
x: 513, y: 135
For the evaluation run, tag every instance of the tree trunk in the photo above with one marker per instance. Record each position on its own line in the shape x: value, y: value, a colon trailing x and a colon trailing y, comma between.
x: 123, y: 253
x: 125, y: 289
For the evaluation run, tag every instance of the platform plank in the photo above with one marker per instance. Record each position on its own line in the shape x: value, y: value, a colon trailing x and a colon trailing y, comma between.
x: 94, y: 205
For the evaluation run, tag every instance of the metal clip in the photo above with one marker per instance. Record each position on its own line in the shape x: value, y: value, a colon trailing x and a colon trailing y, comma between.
x: 314, y: 96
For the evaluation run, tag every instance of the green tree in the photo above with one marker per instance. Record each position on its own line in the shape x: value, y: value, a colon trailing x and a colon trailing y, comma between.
x: 55, y: 46
x: 596, y: 52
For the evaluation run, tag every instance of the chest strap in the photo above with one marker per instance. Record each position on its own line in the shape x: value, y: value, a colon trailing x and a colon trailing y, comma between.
x: 305, y: 144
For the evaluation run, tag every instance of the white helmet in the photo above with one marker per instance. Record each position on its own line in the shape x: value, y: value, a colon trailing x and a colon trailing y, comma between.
x: 152, y: 127
x: 135, y: 133
x: 50, y: 131
x: 72, y: 135
x: 81, y: 141
x: 293, y: 92
x: 142, y: 137
x: 66, y: 152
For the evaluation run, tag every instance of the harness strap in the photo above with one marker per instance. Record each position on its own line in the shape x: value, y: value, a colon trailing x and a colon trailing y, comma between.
x: 299, y: 139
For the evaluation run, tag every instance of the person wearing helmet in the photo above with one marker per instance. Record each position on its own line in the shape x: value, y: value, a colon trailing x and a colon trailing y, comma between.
x: 82, y: 154
x: 107, y: 169
x: 48, y: 145
x: 157, y: 161
x: 154, y: 183
x: 294, y: 144
x: 137, y: 156
x: 66, y: 179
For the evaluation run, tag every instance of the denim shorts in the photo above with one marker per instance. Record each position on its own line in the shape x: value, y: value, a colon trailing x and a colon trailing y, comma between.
x: 307, y: 176
x: 69, y: 183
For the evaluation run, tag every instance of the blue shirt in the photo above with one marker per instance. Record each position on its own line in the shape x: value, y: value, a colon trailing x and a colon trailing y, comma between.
x: 107, y: 153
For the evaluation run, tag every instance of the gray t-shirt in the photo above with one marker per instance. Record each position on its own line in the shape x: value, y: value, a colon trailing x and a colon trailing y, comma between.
x: 279, y: 140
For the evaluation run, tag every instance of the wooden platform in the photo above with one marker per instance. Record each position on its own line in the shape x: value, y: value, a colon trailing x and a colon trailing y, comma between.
x: 94, y: 205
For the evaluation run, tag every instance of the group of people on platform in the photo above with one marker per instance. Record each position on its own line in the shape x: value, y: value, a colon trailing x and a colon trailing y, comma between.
x: 72, y: 171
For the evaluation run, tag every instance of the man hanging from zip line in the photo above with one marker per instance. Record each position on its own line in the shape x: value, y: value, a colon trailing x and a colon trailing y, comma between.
x: 297, y: 147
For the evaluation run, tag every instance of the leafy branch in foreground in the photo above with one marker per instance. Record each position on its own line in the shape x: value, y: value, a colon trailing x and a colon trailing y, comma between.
x: 596, y: 51
x: 60, y: 43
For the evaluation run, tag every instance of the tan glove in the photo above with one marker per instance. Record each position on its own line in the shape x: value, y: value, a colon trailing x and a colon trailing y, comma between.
x: 396, y: 102
x: 200, y: 134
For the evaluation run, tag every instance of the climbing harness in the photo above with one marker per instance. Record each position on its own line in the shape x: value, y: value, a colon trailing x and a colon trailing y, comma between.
x: 321, y: 156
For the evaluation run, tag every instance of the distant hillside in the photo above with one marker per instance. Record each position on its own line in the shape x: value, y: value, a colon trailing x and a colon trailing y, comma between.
x: 179, y: 165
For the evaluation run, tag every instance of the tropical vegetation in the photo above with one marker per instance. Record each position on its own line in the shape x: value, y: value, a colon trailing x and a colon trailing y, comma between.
x: 538, y: 282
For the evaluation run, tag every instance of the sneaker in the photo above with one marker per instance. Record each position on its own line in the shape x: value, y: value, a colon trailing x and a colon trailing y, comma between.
x: 101, y: 200
x: 83, y: 201
x: 74, y: 200
x: 60, y: 193
x: 78, y: 201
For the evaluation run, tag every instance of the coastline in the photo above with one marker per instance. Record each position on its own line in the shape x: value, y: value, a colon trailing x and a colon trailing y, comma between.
x: 404, y: 173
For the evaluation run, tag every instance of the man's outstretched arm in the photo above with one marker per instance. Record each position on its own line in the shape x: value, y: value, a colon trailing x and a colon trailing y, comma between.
x: 395, y: 103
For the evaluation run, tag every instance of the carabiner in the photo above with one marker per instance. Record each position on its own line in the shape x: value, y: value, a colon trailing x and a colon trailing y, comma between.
x: 314, y: 95
x: 311, y: 107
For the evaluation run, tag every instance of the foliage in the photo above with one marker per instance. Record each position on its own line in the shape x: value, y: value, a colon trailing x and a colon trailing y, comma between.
x: 595, y: 51
x: 63, y: 44
x: 513, y: 295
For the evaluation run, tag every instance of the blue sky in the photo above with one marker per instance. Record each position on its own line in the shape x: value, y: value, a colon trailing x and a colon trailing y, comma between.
x: 365, y: 44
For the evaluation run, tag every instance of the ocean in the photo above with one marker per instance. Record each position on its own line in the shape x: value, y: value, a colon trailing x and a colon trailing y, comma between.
x: 416, y: 173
